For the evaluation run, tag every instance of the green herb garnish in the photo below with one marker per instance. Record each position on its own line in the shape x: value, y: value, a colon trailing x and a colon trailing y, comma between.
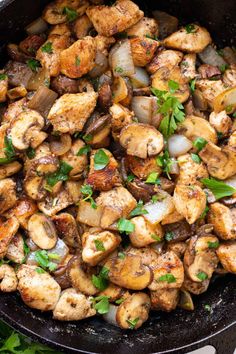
x: 213, y: 244
x: 125, y: 225
x: 218, y: 188
x: 119, y: 301
x: 139, y: 210
x: 202, y: 276
x: 77, y: 61
x: 43, y: 259
x: 130, y: 178
x: 204, y: 213
x: 190, y: 28
x: 169, y: 236
x: 121, y: 255
x: 223, y: 68
x: 99, y: 245
x: 3, y: 77
x: 87, y: 191
x: 196, y: 158
x: 71, y: 14
x: 192, y: 84
x: 101, y: 304
x: 84, y: 150
x: 62, y: 174
x: 169, y: 278
x: 173, y: 86
x: 153, y: 178
x: 156, y: 238
x: 30, y: 152
x: 33, y: 64
x: 118, y: 70
x: 132, y: 323
x: 47, y: 48
x: 101, y: 159
x: 100, y: 281
x: 165, y: 162
x: 199, y: 143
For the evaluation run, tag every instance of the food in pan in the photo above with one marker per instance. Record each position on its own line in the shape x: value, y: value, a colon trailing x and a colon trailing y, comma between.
x: 118, y: 163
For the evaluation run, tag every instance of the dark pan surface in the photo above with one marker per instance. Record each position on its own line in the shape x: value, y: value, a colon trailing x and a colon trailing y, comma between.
x: 178, y: 331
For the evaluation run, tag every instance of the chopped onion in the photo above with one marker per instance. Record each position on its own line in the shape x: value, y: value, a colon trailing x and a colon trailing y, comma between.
x: 210, y: 56
x: 158, y: 247
x: 110, y: 316
x: 231, y: 181
x: 36, y: 27
x: 174, y: 167
x: 42, y: 100
x: 159, y: 210
x: 178, y: 145
x: 121, y: 60
x: 140, y: 78
x: 59, y: 253
x: 119, y: 89
x: 38, y: 79
x: 145, y: 109
x: 101, y: 65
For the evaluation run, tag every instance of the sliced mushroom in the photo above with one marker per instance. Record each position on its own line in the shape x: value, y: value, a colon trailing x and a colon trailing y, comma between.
x: 179, y: 231
x: 26, y: 130
x: 200, y: 259
x: 178, y: 248
x: 7, y: 231
x: 164, y: 299
x: 227, y: 256
x: 168, y: 272
x: 15, y: 251
x: 141, y: 140
x: 193, y: 127
x: 121, y: 16
x: 210, y: 89
x: 73, y: 306
x: 42, y: 231
x: 60, y: 146
x: 145, y: 27
x: 70, y: 112
x: 144, y: 232
x: 116, y: 203
x: 226, y: 99
x: 120, y: 117
x: 141, y: 190
x: 190, y: 201
x: 129, y: 272
x: 142, y: 167
x: 134, y: 308
x: 81, y: 276
x: 34, y: 187
x: 97, y: 244
x: 113, y: 292
x: 9, y: 169
x: 8, y: 279
x: 223, y: 220
x: 190, y: 172
x: 149, y: 256
x: 193, y: 42
x: 38, y: 290
x: 67, y: 229
x: 7, y: 194
x: 195, y: 287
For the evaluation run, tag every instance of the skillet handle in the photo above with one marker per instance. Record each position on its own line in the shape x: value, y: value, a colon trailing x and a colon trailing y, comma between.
x: 224, y: 342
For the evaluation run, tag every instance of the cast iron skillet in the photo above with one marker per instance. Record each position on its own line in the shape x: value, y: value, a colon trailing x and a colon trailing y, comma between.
x: 178, y: 331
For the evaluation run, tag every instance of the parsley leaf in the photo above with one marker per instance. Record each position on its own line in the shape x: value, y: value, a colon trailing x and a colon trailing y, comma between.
x: 121, y: 255
x: 30, y: 152
x: 196, y: 158
x: 47, y: 48
x: 33, y: 64
x: 62, y: 174
x: 152, y: 178
x: 223, y: 67
x: 213, y: 244
x: 172, y: 111
x: 199, y: 143
x: 202, y: 276
x: 77, y: 61
x: 119, y: 70
x: 71, y: 14
x: 99, y: 245
x: 132, y: 323
x: 100, y: 159
x: 169, y: 236
x: 43, y: 259
x: 173, y: 86
x: 39, y: 270
x: 207, y: 307
x: 9, y: 151
x: 192, y: 84
x: 100, y: 281
x: 190, y: 28
x: 3, y: 77
x: 138, y: 210
x: 125, y: 225
x: 119, y: 301
x: 130, y: 178
x: 87, y: 191
x: 84, y: 150
x: 156, y: 238
x: 170, y: 278
x: 204, y: 213
x: 102, y: 306
x: 218, y: 188
x: 165, y: 162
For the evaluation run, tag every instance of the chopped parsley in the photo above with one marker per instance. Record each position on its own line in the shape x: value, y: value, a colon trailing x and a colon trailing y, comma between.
x: 99, y: 245
x: 165, y: 162
x: 119, y: 301
x: 153, y: 178
x: 218, y: 188
x: 47, y: 48
x: 77, y: 61
x: 71, y: 14
x: 33, y: 64
x: 196, y: 158
x: 43, y: 259
x: 8, y: 150
x: 130, y: 178
x: 169, y: 236
x: 199, y: 143
x: 84, y: 150
x: 3, y: 77
x: 156, y: 238
x: 139, y: 210
x: 62, y: 174
x: 173, y: 86
x: 132, y: 323
x: 192, y: 84
x: 101, y: 281
x: 223, y: 68
x: 87, y: 192
x: 39, y: 270
x: 190, y: 28
x: 87, y: 138
x: 119, y: 70
x: 125, y: 225
x: 202, y: 276
x: 169, y: 278
x: 204, y: 213
x: 101, y: 304
x: 101, y: 159
x: 121, y: 255
x: 30, y: 152
x: 213, y: 244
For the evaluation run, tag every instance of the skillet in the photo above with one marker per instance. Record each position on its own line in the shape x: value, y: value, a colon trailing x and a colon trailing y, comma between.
x: 179, y: 331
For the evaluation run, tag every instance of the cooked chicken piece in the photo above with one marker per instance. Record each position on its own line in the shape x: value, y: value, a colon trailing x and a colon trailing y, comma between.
x: 190, y: 172
x: 3, y: 88
x: 142, y: 167
x: 78, y: 162
x: 61, y: 29
x: 144, y: 232
x: 210, y: 89
x: 232, y: 139
x: 54, y: 12
x: 190, y: 201
x: 221, y: 162
x: 172, y: 218
x: 225, y: 100
x: 193, y: 127
x: 223, y: 220
x: 229, y: 77
x: 146, y: 27
x: 141, y: 140
x: 162, y: 77
x: 227, y: 256
x: 143, y: 50
x: 195, y: 287
x: 116, y: 203
x: 25, y: 130
x: 15, y: 251
x: 73, y: 306
x: 178, y: 248
x: 55, y: 203
x: 103, y: 43
x: 16, y: 92
x: 121, y: 15
x: 168, y: 272
x: 67, y: 229
x: 207, y: 71
x: 164, y: 299
x: 70, y: 112
x: 13, y: 110
x: 7, y: 194
x: 82, y: 26
x: 148, y: 255
x: 193, y: 42
x: 8, y: 279
x: 106, y: 178
x: 221, y: 122
x: 97, y: 244
x: 200, y: 259
x: 188, y: 66
x: 79, y: 58
x: 167, y: 24
x: 49, y: 53
x: 7, y: 231
x: 129, y: 272
x: 38, y: 290
x: 135, y: 308
x: 165, y: 58
x: 120, y: 117
x: 42, y: 231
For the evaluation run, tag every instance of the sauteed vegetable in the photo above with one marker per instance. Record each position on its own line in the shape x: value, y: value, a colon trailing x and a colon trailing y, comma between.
x: 117, y: 163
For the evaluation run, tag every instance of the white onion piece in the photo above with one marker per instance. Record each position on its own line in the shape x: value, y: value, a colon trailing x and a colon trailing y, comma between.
x: 140, y: 78
x: 158, y: 247
x: 174, y: 167
x: 178, y: 145
x: 30, y: 243
x: 121, y: 60
x: 143, y: 108
x: 159, y: 210
x: 210, y: 56
x: 36, y: 27
x: 101, y: 65
x: 110, y: 316
x: 231, y: 181
x: 43, y: 100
